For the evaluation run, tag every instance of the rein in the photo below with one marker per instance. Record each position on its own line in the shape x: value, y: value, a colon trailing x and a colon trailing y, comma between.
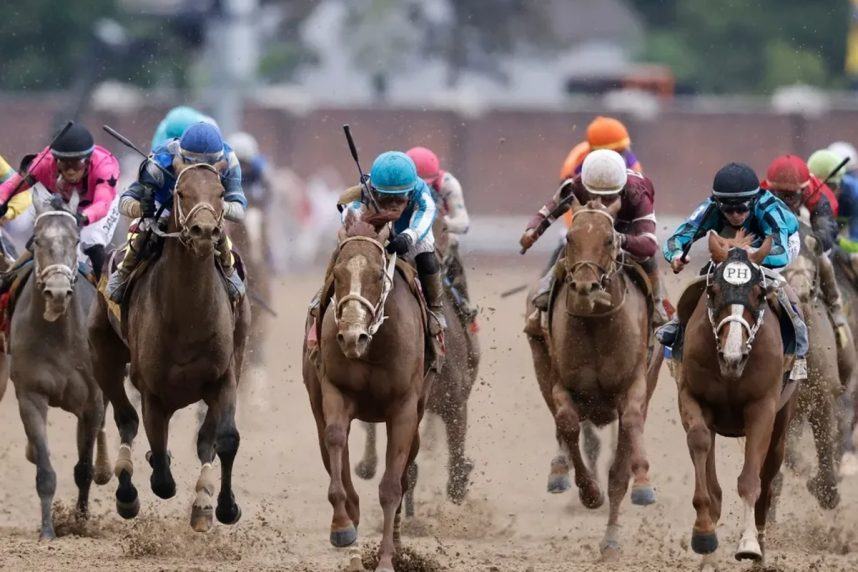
x: 375, y: 310
x: 604, y: 275
x: 183, y: 218
x: 42, y: 274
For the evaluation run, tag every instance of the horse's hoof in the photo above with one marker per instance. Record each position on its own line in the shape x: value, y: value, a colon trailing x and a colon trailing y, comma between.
x: 366, y: 469
x: 826, y: 494
x: 643, y: 495
x: 127, y: 500
x: 47, y: 535
x: 559, y: 484
x: 344, y: 537
x: 164, y: 488
x: 591, y: 496
x: 749, y: 549
x: 457, y: 486
x: 228, y: 512
x: 102, y: 475
x: 704, y: 542
x: 202, y: 518
x: 610, y: 551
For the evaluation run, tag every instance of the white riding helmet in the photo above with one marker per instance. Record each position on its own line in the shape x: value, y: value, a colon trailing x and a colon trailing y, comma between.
x: 604, y: 172
x: 844, y: 149
x: 244, y: 145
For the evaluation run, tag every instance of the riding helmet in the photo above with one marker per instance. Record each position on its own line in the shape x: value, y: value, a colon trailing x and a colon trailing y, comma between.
x: 201, y: 143
x: 604, y: 172
x: 787, y: 173
x: 823, y: 164
x: 427, y: 163
x: 608, y: 133
x: 393, y: 173
x: 75, y: 143
x: 735, y: 182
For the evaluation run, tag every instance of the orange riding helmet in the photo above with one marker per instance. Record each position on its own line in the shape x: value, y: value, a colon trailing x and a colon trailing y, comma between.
x: 608, y: 133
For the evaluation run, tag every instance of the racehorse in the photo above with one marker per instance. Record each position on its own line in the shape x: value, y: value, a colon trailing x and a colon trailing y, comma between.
x: 731, y: 383
x: 369, y: 365
x: 596, y: 309
x: 185, y: 343
x: 51, y: 364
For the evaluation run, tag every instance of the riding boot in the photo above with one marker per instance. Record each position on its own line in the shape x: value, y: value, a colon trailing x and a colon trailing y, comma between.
x: 433, y: 289
x: 118, y: 281
x: 96, y: 256
x: 832, y: 299
x: 6, y: 278
x: 661, y: 315
x: 456, y: 276
x: 802, y: 344
x: 234, y: 284
x: 533, y: 326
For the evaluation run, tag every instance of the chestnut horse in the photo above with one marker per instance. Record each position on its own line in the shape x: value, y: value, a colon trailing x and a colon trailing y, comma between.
x: 731, y: 383
x: 596, y: 310
x: 185, y: 344
x: 369, y: 366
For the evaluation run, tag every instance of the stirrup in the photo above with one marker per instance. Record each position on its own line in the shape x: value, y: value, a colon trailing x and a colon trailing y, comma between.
x: 234, y: 286
x: 116, y: 286
x: 437, y: 321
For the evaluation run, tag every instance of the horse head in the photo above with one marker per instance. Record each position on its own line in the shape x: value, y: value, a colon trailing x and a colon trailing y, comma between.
x: 592, y: 249
x: 55, y: 240
x: 363, y: 278
x: 736, y: 291
x: 198, y: 208
x: 803, y: 273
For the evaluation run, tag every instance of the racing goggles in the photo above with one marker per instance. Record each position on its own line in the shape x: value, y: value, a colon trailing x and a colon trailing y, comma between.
x: 76, y: 163
x: 199, y: 158
x: 734, y: 207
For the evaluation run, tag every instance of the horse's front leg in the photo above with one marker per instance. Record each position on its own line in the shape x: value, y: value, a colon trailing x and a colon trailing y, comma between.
x: 156, y: 421
x: 227, y: 440
x: 365, y: 468
x: 568, y: 425
x: 337, y: 415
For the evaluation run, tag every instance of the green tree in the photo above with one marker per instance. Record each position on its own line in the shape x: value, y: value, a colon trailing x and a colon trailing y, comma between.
x: 747, y: 45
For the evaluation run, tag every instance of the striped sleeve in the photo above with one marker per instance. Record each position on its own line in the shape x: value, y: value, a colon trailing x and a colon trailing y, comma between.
x: 777, y: 221
x: 687, y: 231
x: 423, y: 214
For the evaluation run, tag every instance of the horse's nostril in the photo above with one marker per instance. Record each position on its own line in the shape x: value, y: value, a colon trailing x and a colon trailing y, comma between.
x: 341, y: 338
x: 196, y: 231
x: 363, y: 339
x: 49, y: 293
x: 215, y: 233
x: 594, y: 286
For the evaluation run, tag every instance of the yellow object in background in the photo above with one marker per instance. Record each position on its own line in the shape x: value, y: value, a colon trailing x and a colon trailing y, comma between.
x: 5, y: 170
x: 852, y: 42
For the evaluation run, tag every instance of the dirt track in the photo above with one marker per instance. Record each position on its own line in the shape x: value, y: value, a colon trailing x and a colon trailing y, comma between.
x: 508, y: 523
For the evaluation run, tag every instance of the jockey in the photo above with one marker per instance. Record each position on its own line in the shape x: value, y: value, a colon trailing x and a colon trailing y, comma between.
x: 73, y: 164
x: 395, y: 185
x: 200, y: 143
x: 737, y: 202
x: 602, y: 133
x: 176, y: 122
x: 605, y: 177
x: 257, y: 184
x: 846, y: 187
x: 789, y: 179
x: 450, y: 200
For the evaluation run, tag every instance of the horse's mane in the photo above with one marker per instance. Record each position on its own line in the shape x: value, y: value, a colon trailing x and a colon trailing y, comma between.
x: 357, y: 227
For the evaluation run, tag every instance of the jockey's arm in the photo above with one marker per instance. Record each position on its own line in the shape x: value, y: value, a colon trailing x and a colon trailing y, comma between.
x: 235, y: 203
x: 823, y: 224
x: 550, y: 211
x: 457, y: 219
x: 422, y: 215
x: 149, y: 179
x: 778, y: 222
x: 688, y: 231
x: 641, y: 241
x: 18, y: 205
x: 106, y: 174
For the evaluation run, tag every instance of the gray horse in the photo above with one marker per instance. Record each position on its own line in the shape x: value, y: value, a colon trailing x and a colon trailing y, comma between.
x: 50, y: 356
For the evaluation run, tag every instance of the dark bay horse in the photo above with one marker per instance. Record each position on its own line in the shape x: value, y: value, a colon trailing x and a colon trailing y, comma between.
x: 51, y: 364
x: 185, y: 344
x: 581, y: 374
x: 731, y: 383
x: 369, y: 366
x: 448, y: 398
x: 817, y: 397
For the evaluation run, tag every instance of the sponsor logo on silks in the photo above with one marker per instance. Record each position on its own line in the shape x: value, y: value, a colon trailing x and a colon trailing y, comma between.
x: 737, y: 273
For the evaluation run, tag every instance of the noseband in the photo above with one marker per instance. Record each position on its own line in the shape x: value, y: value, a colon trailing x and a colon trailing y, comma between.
x: 603, y: 274
x: 183, y: 219
x: 375, y: 310
x: 751, y: 330
x: 42, y: 274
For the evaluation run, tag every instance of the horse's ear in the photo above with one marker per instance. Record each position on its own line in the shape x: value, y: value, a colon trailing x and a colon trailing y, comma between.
x: 384, y: 233
x: 760, y: 254
x: 614, y: 208
x: 179, y: 165
x: 574, y: 205
x: 74, y: 201
x: 41, y: 198
x: 717, y: 248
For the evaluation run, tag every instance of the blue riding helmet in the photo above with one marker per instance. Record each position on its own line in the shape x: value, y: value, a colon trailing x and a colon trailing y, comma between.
x: 393, y: 173
x: 201, y: 143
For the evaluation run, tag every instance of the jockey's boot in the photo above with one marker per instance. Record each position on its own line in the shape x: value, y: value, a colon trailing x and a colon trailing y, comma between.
x: 802, y: 344
x: 456, y: 275
x: 433, y: 288
x: 234, y: 284
x: 660, y: 304
x: 533, y: 325
x: 6, y: 278
x: 96, y: 257
x: 118, y: 281
x: 832, y: 299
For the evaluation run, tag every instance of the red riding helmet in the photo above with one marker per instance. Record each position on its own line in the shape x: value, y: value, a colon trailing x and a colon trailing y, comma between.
x: 787, y: 173
x: 428, y: 165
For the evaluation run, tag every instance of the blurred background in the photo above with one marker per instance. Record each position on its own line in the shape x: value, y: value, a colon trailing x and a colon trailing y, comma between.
x: 500, y: 89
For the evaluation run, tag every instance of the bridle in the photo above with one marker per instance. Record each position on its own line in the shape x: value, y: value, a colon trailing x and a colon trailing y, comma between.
x: 66, y: 270
x: 604, y: 275
x: 376, y: 310
x: 182, y: 219
x: 751, y: 330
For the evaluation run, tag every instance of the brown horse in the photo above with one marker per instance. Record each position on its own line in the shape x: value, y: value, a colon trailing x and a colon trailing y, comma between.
x: 448, y: 398
x: 185, y: 344
x: 731, y: 383
x: 249, y: 239
x: 817, y: 397
x: 370, y: 367
x: 597, y: 309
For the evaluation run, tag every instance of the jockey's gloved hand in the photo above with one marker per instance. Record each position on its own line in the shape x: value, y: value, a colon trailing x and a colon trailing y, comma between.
x: 147, y: 204
x: 400, y: 244
x: 57, y: 203
x: 3, y: 208
x: 82, y: 219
